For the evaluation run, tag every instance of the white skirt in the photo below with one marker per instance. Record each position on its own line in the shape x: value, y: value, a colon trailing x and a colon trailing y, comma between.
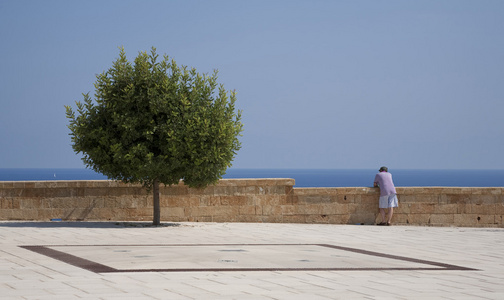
x: 388, y: 201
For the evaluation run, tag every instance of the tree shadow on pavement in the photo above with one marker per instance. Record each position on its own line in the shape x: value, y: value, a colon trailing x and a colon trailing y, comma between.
x: 82, y: 224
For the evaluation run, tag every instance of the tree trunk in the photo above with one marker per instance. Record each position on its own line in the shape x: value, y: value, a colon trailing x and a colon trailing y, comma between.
x: 157, y: 210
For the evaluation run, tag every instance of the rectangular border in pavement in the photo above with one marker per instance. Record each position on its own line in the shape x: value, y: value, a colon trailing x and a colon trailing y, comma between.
x: 100, y: 268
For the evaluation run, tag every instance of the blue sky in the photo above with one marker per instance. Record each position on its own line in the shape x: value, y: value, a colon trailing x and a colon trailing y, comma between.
x: 322, y: 84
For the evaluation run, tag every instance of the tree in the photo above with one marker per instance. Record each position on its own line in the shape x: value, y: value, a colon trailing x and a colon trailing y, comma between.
x: 154, y: 122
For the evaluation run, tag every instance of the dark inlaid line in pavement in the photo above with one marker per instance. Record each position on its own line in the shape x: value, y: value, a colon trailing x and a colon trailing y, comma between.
x: 71, y: 259
x: 100, y: 268
x: 396, y: 257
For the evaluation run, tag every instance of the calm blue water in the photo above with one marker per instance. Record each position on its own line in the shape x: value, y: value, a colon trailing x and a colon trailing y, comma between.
x: 303, y: 177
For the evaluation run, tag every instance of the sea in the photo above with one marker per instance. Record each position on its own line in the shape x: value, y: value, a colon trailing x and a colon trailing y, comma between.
x: 303, y: 177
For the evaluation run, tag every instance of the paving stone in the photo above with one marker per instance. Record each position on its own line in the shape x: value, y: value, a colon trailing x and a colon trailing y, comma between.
x: 369, y: 262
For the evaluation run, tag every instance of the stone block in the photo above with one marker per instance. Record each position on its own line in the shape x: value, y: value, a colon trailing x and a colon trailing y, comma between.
x: 289, y: 209
x: 187, y: 201
x: 485, y: 220
x: 289, y: 190
x: 31, y: 193
x: 96, y: 192
x: 203, y: 211
x: 482, y: 209
x: 362, y: 218
x: 23, y: 214
x: 209, y: 200
x: 353, y: 208
x: 424, y: 198
x: 446, y: 209
x: 209, y: 190
x: 246, y: 190
x: 465, y: 220
x: 224, y: 218
x: 398, y: 218
x: 284, y: 199
x: 97, y: 202
x: 347, y: 198
x: 234, y: 200
x: 63, y: 203
x: 289, y: 199
x: 463, y: 208
x: 176, y: 190
x: 313, y: 199
x: 74, y: 214
x: 372, y: 191
x: 370, y: 199
x: 5, y: 203
x: 247, y: 210
x: 418, y: 219
x: 269, y: 200
x: 222, y: 190
x: 274, y: 190
x: 294, y: 219
x: 336, y: 209
x: 328, y: 209
x: 412, y: 191
x: 135, y: 213
x: 455, y: 190
x: 499, y: 209
x: 487, y: 191
x: 48, y: 214
x: 483, y: 199
x: 110, y: 202
x: 8, y: 203
x: 12, y: 193
x: 457, y: 198
x: 311, y: 209
x: 421, y: 208
x: 318, y: 219
x: 200, y: 219
x: 293, y: 199
x: 269, y: 210
x: 362, y: 208
x: 315, y: 191
x: 249, y: 218
x: 230, y: 211
x: 338, y: 219
x: 129, y: 192
x: 6, y: 214
x: 272, y: 219
x: 442, y: 219
x: 348, y: 191
x: 6, y: 185
x: 403, y: 208
x: 192, y: 211
x: 109, y: 214
x: 270, y: 182
x: 91, y: 214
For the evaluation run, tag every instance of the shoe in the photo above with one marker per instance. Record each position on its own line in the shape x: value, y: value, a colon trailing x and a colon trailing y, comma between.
x: 381, y: 224
x: 388, y: 224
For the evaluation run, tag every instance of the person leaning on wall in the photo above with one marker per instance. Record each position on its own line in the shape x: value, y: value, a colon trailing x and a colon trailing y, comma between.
x: 388, y: 195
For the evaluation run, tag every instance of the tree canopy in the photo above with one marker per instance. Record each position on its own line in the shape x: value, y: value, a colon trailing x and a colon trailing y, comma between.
x: 154, y: 122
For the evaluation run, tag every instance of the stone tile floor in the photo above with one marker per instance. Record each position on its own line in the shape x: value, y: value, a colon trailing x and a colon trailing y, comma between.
x: 118, y: 260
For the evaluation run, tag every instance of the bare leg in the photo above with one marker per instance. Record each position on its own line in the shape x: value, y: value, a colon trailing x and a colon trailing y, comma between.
x: 382, y: 213
x: 391, y: 212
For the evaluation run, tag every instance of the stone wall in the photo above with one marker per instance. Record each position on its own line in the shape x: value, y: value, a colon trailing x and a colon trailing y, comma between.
x: 248, y: 200
x: 436, y: 206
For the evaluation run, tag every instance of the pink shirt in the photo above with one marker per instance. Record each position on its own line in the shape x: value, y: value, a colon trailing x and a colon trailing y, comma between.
x: 384, y: 181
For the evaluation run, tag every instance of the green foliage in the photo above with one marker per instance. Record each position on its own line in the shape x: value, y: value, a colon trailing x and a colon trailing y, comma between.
x: 153, y: 120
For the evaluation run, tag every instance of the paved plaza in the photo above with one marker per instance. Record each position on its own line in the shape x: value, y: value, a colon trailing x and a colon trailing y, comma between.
x: 128, y: 260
